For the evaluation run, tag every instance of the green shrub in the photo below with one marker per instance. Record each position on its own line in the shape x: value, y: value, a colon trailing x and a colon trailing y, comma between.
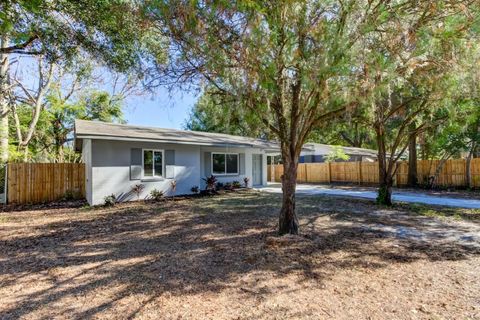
x: 236, y: 184
x: 195, y: 189
x: 109, y: 201
x: 69, y: 195
x: 156, y: 194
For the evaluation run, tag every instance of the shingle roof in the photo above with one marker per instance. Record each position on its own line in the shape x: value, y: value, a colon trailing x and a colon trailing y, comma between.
x: 104, y: 130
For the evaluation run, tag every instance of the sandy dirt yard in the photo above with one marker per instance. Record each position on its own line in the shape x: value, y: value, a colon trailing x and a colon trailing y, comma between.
x: 219, y: 258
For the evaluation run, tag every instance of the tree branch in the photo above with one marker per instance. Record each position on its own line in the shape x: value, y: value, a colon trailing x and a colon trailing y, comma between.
x: 20, y: 47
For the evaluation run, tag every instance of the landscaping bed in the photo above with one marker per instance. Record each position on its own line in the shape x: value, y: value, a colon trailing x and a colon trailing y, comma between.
x: 218, y: 257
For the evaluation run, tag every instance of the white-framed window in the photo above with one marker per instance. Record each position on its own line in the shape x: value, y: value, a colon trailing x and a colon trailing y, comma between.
x: 225, y: 163
x: 152, y: 163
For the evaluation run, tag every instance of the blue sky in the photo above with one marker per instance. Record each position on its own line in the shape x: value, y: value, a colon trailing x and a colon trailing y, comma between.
x: 163, y: 110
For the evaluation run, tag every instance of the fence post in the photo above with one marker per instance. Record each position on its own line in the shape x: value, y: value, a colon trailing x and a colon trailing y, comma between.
x: 359, y: 174
x: 306, y: 172
x: 329, y: 172
x: 6, y: 183
x: 4, y: 172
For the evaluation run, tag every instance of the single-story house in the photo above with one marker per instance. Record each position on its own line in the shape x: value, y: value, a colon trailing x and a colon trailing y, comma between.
x: 117, y: 157
x: 317, y: 152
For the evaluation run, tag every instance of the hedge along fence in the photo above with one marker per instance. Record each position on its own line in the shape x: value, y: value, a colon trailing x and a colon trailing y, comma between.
x: 43, y: 182
x: 453, y: 173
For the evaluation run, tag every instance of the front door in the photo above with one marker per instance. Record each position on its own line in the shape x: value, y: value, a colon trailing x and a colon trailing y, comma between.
x: 257, y: 169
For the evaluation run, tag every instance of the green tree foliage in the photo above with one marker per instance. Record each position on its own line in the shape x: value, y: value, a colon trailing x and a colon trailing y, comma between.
x: 347, y: 131
x: 295, y: 64
x: 211, y: 114
x: 99, y: 105
x: 408, y: 73
x: 36, y: 148
x: 115, y: 33
x: 112, y: 31
x: 451, y: 138
x: 91, y: 105
x: 52, y: 141
x: 337, y: 153
x: 460, y: 133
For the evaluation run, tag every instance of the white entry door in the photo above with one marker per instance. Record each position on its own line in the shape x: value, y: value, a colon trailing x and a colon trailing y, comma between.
x: 257, y: 169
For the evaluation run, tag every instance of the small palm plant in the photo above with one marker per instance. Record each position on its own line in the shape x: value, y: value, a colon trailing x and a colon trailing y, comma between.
x: 173, y: 185
x: 211, y: 183
x: 137, y: 190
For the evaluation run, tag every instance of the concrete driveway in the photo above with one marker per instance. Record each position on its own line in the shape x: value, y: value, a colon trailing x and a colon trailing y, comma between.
x: 402, y: 196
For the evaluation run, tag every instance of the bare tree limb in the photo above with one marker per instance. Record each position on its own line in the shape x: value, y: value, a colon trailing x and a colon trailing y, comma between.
x: 19, y: 48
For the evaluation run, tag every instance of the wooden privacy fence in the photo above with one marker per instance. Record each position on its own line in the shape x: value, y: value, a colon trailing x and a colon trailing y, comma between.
x: 43, y: 182
x: 453, y: 173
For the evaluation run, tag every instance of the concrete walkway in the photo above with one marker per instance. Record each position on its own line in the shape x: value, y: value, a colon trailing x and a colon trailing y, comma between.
x: 401, y: 196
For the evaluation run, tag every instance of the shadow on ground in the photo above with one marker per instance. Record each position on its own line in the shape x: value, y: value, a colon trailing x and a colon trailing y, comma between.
x: 204, y: 245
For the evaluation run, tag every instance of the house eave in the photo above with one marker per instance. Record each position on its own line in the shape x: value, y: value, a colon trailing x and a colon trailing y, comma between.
x: 116, y: 138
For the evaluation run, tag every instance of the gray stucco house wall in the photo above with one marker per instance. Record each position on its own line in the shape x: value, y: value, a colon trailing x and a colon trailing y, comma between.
x: 114, y: 163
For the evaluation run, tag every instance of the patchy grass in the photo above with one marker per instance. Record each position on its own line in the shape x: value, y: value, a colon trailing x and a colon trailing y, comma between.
x: 444, y: 192
x: 442, y: 212
x: 219, y: 258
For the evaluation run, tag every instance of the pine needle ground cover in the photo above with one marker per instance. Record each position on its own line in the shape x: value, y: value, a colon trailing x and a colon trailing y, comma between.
x: 219, y: 258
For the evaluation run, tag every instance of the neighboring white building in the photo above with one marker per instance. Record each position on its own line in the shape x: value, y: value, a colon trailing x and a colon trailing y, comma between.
x: 118, y: 157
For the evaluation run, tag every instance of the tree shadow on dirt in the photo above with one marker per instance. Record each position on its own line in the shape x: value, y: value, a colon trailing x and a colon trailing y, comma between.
x: 205, y: 245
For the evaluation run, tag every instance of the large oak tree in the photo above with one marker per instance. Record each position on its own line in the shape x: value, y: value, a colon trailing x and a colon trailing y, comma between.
x: 290, y: 62
x: 408, y: 73
x: 112, y: 32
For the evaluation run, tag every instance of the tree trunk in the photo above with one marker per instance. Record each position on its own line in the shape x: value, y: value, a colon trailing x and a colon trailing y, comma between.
x: 384, y: 196
x: 4, y: 102
x: 412, y: 160
x: 61, y: 154
x: 288, y: 222
x: 385, y: 179
x: 468, y: 167
x: 25, y: 154
x: 43, y: 87
x: 434, y: 178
